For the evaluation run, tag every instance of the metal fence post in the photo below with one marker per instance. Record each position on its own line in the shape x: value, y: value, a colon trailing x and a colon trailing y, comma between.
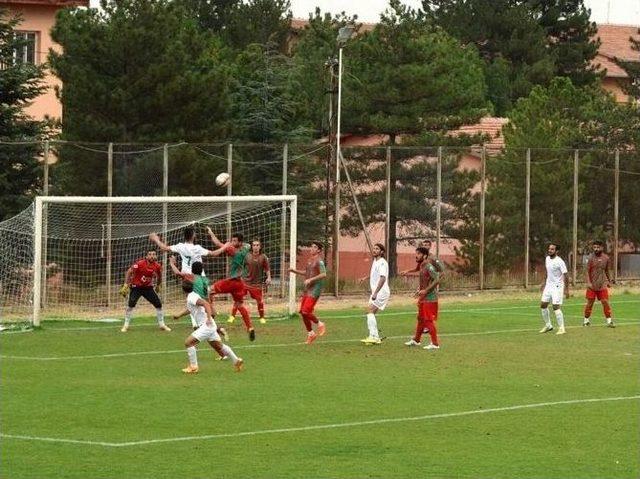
x: 283, y: 221
x: 616, y: 217
x: 439, y: 202
x: 45, y: 218
x: 109, y: 220
x: 527, y: 217
x: 574, y: 266
x: 483, y: 183
x: 165, y: 214
x: 387, y: 202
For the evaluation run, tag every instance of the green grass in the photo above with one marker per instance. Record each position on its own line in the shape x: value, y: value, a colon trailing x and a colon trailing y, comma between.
x: 335, y: 381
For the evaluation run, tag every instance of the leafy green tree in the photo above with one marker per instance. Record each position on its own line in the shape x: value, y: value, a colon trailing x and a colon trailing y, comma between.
x: 407, y: 78
x: 523, y: 42
x: 136, y: 71
x: 20, y: 83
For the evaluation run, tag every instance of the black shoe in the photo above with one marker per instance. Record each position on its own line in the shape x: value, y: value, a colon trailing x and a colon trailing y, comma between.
x: 252, y: 335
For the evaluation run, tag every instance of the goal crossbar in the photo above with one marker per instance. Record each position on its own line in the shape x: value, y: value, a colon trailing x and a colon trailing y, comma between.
x: 40, y: 231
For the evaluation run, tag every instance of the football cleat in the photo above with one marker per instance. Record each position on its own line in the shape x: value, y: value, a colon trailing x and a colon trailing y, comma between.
x: 431, y: 346
x: 412, y: 342
x: 546, y: 329
x: 231, y: 319
x: 586, y: 322
x: 371, y: 340
x: 166, y: 328
x: 190, y: 369
x: 311, y: 337
x: 610, y: 324
x: 561, y: 331
x: 263, y: 320
x: 124, y: 329
x: 321, y: 328
x: 239, y: 364
x: 252, y: 334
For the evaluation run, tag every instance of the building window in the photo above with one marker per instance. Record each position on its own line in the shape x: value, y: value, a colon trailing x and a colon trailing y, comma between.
x: 26, y: 51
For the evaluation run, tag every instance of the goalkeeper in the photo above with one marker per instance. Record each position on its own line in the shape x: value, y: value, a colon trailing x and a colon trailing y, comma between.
x: 139, y: 281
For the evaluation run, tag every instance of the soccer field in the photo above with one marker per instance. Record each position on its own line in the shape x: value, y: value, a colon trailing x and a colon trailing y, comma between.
x: 499, y: 400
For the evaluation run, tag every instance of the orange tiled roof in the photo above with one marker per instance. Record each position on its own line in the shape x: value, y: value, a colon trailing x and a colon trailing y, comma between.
x: 300, y: 23
x: 51, y: 3
x: 490, y: 126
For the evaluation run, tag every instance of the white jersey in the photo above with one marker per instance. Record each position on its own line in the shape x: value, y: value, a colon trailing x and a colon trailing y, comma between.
x: 556, y: 269
x: 189, y: 254
x: 197, y: 312
x: 379, y: 268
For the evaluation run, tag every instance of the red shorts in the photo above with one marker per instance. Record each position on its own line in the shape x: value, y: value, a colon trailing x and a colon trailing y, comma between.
x: 307, y: 304
x: 255, y: 292
x: 428, y: 311
x: 601, y: 295
x: 233, y: 286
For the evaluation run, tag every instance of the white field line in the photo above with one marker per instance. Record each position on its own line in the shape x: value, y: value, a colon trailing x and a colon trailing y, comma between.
x: 280, y: 345
x: 317, y: 427
x: 359, y: 315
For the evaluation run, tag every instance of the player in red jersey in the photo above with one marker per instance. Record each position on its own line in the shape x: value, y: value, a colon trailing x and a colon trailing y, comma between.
x: 598, y: 284
x: 314, y: 274
x: 257, y: 267
x: 234, y: 285
x: 427, y: 301
x: 139, y: 282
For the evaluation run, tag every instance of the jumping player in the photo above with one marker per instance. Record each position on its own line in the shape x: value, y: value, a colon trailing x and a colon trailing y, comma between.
x: 189, y: 251
x: 203, y: 314
x: 427, y: 301
x: 314, y: 274
x: 380, y: 292
x: 139, y: 282
x: 554, y: 287
x: 597, y: 287
x: 257, y: 266
x: 234, y: 285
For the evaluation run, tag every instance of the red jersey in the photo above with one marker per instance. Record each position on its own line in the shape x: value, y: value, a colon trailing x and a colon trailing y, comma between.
x: 257, y: 266
x: 143, y: 272
x: 596, y: 267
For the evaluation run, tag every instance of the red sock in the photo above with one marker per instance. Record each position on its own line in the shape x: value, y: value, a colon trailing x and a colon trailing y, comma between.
x: 420, y: 325
x: 587, y: 310
x: 234, y: 310
x: 306, y: 321
x: 261, y: 309
x: 607, y: 310
x: 432, y: 331
x: 245, y: 317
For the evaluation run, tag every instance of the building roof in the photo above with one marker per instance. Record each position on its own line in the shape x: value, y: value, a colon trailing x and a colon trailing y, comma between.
x: 301, y: 23
x: 490, y: 126
x: 48, y: 3
x: 616, y: 45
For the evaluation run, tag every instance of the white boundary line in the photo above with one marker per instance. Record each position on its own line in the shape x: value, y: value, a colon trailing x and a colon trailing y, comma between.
x: 281, y: 345
x: 316, y: 427
x: 347, y: 316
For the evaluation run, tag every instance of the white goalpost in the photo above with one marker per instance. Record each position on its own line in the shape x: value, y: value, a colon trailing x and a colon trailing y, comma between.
x: 81, y: 248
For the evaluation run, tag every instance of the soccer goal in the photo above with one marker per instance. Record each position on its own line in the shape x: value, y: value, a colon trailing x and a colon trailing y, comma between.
x: 66, y: 257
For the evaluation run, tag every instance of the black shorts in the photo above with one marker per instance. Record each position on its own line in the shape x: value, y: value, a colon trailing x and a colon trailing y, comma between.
x: 148, y: 293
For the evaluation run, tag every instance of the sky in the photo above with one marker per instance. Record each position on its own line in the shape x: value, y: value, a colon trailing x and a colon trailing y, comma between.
x: 625, y: 12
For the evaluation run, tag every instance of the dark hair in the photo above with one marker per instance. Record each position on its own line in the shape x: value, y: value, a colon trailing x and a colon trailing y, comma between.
x: 427, y: 241
x: 189, y: 233
x: 554, y: 244
x: 240, y: 236
x: 381, y: 247
x: 196, y: 268
x: 598, y: 242
x: 422, y: 250
x: 187, y: 287
x: 318, y: 244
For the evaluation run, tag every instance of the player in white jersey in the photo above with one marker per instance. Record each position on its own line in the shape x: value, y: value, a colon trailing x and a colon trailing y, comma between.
x: 380, y: 292
x: 202, y: 314
x: 554, y: 287
x: 189, y: 251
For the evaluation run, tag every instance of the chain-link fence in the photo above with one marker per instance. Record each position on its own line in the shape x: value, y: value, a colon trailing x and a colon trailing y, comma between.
x: 489, y: 214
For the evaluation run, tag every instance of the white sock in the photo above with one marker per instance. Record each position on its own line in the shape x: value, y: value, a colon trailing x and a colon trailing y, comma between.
x: 193, y: 355
x: 609, y: 320
x: 372, y: 324
x: 546, y: 317
x: 127, y: 316
x: 227, y: 351
x: 160, y: 316
x: 559, y: 317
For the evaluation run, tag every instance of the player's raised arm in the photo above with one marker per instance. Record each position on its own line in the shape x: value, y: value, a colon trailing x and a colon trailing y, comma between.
x: 214, y: 239
x: 221, y: 250
x: 154, y: 238
x: 296, y: 271
x: 415, y: 269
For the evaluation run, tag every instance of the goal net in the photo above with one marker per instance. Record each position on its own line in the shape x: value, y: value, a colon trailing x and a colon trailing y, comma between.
x: 66, y: 257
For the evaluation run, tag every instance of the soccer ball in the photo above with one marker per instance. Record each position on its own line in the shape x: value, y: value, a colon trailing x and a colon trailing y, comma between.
x: 223, y: 179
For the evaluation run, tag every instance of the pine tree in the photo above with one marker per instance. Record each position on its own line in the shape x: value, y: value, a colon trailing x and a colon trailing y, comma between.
x: 20, y: 83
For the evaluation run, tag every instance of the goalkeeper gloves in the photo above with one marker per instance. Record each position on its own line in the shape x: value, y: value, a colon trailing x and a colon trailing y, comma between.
x: 124, y: 291
x: 158, y: 288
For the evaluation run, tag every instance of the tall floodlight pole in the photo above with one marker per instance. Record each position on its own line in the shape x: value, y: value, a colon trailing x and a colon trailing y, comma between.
x: 344, y: 34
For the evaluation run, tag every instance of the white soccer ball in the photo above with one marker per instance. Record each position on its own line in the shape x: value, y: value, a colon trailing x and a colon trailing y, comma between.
x: 223, y: 179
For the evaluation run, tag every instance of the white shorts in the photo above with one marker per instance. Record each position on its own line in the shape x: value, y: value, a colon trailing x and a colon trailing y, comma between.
x: 380, y: 302
x: 206, y: 333
x: 553, y: 294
